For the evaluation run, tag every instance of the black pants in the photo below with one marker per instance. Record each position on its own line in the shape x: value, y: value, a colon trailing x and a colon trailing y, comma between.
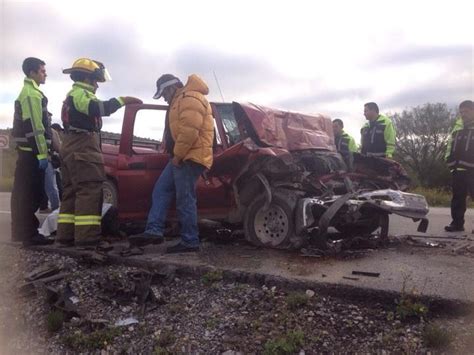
x: 28, y: 188
x: 463, y: 184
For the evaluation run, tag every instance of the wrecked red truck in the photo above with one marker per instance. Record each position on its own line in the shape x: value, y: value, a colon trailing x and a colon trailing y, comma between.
x: 276, y: 175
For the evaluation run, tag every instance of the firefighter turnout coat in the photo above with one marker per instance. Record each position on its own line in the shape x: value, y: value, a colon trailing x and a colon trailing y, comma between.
x: 82, y: 164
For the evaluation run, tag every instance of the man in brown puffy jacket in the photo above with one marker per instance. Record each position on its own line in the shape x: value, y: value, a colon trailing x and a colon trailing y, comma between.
x: 189, y: 134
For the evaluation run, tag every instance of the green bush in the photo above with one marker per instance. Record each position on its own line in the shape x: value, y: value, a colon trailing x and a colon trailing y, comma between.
x: 295, y: 300
x: 212, y: 276
x: 286, y: 345
x: 436, y: 337
x: 54, y: 321
x: 6, y: 184
x: 93, y: 341
x: 408, y: 308
x: 437, y: 197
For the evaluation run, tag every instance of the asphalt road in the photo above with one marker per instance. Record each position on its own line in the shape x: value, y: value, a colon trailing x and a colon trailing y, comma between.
x: 438, y: 218
x: 432, y: 271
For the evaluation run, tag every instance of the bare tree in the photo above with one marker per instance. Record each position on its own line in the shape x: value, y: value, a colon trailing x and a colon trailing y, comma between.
x: 422, y: 135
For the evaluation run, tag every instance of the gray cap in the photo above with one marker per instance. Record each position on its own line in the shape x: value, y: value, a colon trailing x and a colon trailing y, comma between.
x: 163, y: 82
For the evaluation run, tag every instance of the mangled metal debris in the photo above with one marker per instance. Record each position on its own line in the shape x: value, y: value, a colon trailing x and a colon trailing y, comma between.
x: 64, y: 300
x: 126, y: 321
x: 366, y: 273
x: 135, y: 287
x: 42, y: 272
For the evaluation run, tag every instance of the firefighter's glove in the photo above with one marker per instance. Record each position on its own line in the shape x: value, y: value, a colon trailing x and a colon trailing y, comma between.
x: 130, y: 100
x: 43, y: 164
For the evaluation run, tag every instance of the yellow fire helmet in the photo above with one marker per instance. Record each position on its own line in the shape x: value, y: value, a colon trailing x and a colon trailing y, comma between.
x: 89, y: 66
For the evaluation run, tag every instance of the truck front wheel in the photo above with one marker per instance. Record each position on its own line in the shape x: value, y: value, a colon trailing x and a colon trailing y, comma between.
x: 272, y: 227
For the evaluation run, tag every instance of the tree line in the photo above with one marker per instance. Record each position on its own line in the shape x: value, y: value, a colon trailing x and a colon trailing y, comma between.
x: 422, y: 137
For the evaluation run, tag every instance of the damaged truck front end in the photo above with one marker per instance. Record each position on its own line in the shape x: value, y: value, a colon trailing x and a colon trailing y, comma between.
x: 294, y: 186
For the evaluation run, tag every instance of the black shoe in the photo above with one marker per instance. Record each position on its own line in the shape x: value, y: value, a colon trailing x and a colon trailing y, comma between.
x: 454, y: 228
x: 181, y: 248
x: 38, y: 239
x: 145, y: 239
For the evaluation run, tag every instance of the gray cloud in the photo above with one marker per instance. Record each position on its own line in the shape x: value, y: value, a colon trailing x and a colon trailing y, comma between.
x: 30, y: 29
x: 322, y: 97
x: 433, y: 92
x: 447, y: 54
x: 236, y: 73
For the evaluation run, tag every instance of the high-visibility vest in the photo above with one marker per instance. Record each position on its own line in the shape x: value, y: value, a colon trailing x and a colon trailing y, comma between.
x: 461, y: 153
x: 378, y: 137
x: 31, y: 122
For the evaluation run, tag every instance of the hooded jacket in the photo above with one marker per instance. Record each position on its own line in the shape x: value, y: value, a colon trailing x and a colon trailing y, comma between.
x: 191, y: 123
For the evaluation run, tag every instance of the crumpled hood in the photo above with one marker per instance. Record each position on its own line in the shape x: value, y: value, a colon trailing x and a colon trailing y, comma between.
x: 288, y: 130
x: 195, y: 83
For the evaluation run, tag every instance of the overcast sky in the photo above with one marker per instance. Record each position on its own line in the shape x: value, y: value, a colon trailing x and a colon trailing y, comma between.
x: 310, y: 56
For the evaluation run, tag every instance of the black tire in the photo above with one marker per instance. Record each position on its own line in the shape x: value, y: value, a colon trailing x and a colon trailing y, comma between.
x: 110, y: 193
x: 273, y: 227
x: 362, y: 227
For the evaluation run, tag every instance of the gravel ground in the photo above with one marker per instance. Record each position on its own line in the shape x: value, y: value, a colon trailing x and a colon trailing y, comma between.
x: 208, y: 316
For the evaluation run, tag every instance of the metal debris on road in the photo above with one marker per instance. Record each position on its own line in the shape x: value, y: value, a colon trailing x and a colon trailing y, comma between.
x: 425, y: 244
x: 366, y: 273
x: 126, y: 321
x: 42, y: 272
x: 350, y: 278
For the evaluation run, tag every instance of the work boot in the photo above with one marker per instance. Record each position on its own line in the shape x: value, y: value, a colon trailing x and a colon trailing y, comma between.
x: 38, y: 239
x: 181, y: 248
x: 145, y: 239
x: 454, y: 228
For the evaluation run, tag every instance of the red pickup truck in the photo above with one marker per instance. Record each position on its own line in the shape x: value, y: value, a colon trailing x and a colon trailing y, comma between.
x: 276, y: 174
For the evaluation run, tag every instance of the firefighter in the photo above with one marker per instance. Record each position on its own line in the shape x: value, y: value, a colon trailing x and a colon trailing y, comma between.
x: 460, y: 160
x: 31, y: 132
x: 377, y: 135
x: 81, y: 157
x: 345, y: 144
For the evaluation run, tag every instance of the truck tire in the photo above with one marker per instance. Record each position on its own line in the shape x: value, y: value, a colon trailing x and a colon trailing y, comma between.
x: 110, y: 193
x: 273, y: 227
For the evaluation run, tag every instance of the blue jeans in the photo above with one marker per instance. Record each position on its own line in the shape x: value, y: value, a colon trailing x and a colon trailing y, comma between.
x: 179, y: 182
x: 51, y: 187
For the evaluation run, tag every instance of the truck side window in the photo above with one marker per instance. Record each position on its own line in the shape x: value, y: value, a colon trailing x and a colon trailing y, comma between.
x: 229, y: 123
x: 149, y: 128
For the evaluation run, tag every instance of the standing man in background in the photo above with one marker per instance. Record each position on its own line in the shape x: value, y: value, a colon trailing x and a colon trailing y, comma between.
x: 82, y: 164
x: 378, y: 135
x: 460, y: 160
x: 345, y: 144
x: 31, y: 134
x: 189, y: 134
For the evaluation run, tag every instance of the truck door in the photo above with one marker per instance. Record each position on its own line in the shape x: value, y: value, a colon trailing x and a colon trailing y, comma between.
x: 141, y: 159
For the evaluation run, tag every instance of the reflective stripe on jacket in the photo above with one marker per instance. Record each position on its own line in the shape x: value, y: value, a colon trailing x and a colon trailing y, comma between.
x: 460, y: 153
x: 378, y: 137
x: 83, y: 111
x: 31, y: 128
